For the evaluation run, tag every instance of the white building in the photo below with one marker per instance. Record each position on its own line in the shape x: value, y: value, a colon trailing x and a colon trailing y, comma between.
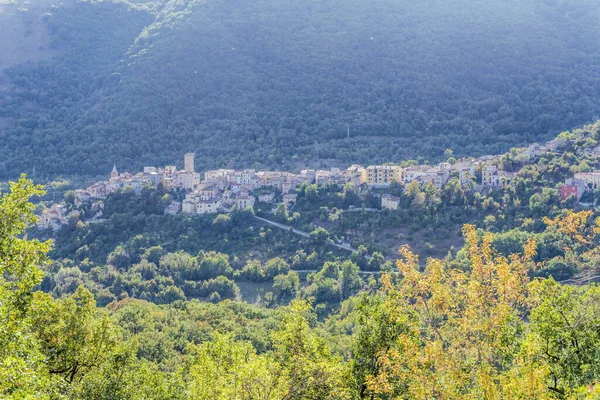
x: 187, y: 180
x: 590, y: 178
x: 244, y: 200
x: 173, y: 208
x: 290, y: 199
x: 389, y: 202
x: 266, y: 198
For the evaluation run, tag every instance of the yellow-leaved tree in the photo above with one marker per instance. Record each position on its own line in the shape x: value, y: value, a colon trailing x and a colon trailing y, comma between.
x: 464, y: 330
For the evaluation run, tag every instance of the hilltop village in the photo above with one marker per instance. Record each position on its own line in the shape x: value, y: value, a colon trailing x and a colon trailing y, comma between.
x: 225, y: 190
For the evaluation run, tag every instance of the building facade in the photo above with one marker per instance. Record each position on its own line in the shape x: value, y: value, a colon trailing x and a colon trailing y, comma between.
x: 383, y: 175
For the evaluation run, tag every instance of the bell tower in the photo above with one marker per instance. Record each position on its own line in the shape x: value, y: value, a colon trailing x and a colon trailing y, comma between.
x: 188, y: 162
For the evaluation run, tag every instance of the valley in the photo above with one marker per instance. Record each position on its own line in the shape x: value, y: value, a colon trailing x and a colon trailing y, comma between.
x: 310, y: 200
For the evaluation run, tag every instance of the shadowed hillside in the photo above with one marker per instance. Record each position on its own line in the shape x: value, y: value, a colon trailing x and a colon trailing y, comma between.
x: 276, y: 83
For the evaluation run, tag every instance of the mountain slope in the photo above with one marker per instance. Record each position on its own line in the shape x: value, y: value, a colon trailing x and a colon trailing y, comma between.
x: 272, y: 83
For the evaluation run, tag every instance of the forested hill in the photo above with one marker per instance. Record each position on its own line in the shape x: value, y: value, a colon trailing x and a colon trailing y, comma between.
x: 276, y: 83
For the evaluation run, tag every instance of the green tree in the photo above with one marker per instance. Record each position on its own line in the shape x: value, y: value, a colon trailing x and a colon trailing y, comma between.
x: 286, y: 286
x: 564, y: 324
x: 69, y: 197
x: 281, y: 213
x: 213, y: 264
x: 21, y: 375
x: 349, y: 278
x: 320, y: 236
x: 309, y: 369
x: 275, y: 266
x: 70, y: 335
x: 222, y: 222
x: 226, y: 369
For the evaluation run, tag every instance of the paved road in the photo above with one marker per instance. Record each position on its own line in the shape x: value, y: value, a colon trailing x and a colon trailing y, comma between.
x: 303, y: 234
x: 282, y: 226
x: 307, y: 271
x: 580, y: 281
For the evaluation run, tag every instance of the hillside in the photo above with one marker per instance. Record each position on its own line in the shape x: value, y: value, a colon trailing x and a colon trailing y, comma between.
x: 152, y: 322
x: 270, y: 83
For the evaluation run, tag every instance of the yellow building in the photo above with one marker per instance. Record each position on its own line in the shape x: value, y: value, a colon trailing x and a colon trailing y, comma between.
x: 383, y: 174
x: 356, y: 174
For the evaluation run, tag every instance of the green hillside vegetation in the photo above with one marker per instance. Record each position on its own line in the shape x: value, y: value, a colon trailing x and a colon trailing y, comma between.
x: 260, y: 82
x: 471, y: 327
x: 138, y: 252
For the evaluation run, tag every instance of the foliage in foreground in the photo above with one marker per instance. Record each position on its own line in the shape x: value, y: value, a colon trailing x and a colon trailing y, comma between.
x: 476, y: 328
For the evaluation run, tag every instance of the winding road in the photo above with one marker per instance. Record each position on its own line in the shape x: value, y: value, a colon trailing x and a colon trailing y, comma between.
x: 303, y: 234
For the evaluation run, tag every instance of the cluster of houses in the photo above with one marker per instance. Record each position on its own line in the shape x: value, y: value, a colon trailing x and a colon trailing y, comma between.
x: 55, y: 216
x: 169, y: 177
x: 491, y: 175
x: 579, y: 184
x: 223, y: 190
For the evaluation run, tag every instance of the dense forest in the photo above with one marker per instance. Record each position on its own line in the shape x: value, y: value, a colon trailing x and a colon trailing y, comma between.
x: 462, y: 292
x: 471, y: 326
x: 277, y: 84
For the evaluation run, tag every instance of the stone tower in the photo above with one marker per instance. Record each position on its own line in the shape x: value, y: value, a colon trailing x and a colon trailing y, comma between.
x: 114, y: 173
x: 189, y: 162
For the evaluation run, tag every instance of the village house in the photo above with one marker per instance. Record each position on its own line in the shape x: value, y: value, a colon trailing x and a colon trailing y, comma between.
x: 356, y: 174
x: 425, y: 180
x: 488, y: 159
x: 308, y: 176
x: 188, y: 206
x: 244, y: 200
x: 245, y: 177
x: 173, y: 208
x: 187, y: 180
x: 170, y: 171
x: 466, y: 175
x: 383, y: 175
x: 207, y: 193
x: 154, y: 178
x: 81, y: 196
x: 208, y: 206
x: 594, y: 153
x: 488, y: 174
x: 533, y: 152
x: 572, y: 187
x: 389, y: 202
x: 269, y: 178
x: 466, y: 171
x: 193, y: 204
x: 323, y: 178
x: 492, y: 177
x: 266, y: 198
x: 55, y: 217
x: 591, y: 179
x: 219, y: 173
x: 439, y: 176
x: 556, y: 144
x: 97, y: 190
x: 411, y: 173
x: 290, y: 199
